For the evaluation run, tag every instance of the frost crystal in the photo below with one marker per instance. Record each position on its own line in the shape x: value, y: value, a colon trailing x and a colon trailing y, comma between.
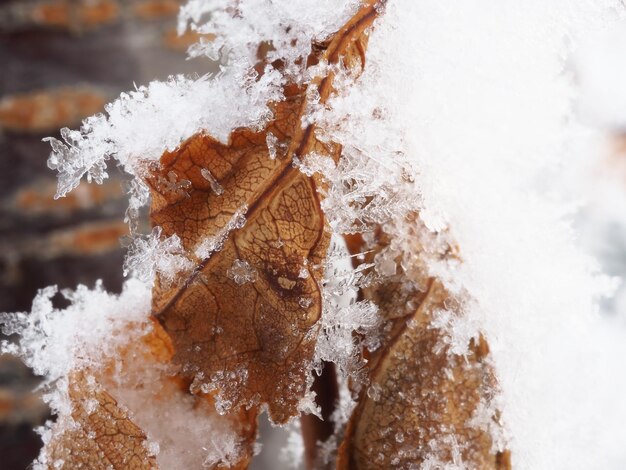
x: 142, y: 124
x: 474, y: 159
x: 215, y: 243
x: 362, y: 190
x: 55, y: 342
x: 241, y: 272
x: 138, y: 196
x: 173, y: 185
x: 215, y: 186
x: 90, y: 335
x: 149, y: 255
x: 272, y: 141
x: 342, y: 316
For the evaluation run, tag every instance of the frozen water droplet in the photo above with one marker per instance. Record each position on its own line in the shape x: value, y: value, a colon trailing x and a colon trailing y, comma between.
x: 90, y: 405
x: 277, y: 244
x: 271, y: 141
x: 374, y: 392
x: 153, y: 448
x: 242, y: 272
x: 215, y: 186
x: 385, y: 264
x: 222, y: 406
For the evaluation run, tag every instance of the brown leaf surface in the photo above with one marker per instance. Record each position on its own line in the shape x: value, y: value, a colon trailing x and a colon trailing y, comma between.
x: 100, y: 433
x: 101, y: 436
x: 421, y: 397
x: 251, y: 338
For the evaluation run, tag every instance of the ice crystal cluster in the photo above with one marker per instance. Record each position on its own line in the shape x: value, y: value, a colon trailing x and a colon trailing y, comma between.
x: 56, y: 341
x: 466, y: 114
x: 141, y: 124
x: 152, y: 254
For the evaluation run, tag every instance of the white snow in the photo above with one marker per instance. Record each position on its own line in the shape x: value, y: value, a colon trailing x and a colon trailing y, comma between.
x: 601, y: 73
x: 151, y: 254
x: 477, y: 97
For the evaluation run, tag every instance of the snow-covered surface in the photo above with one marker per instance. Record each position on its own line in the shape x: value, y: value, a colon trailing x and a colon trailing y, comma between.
x: 472, y: 113
x: 237, y: 28
x: 143, y: 123
x: 601, y: 74
x: 55, y: 342
x: 478, y: 98
x: 140, y: 125
x: 92, y: 333
x: 153, y: 254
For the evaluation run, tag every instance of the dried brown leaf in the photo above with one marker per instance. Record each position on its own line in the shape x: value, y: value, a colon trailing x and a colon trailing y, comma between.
x: 245, y: 321
x: 422, y: 397
x: 100, y: 435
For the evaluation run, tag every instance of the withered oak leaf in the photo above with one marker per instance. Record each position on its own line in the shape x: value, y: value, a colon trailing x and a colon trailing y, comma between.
x: 422, y: 398
x: 251, y: 342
